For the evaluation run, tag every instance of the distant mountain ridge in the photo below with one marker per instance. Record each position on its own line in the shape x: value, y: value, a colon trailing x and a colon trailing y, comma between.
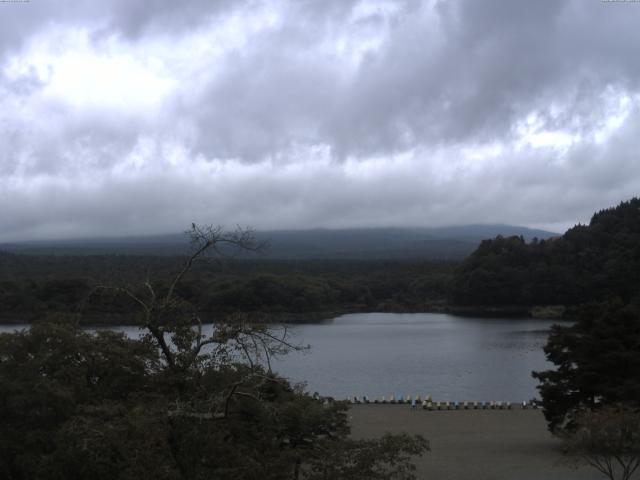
x: 446, y: 243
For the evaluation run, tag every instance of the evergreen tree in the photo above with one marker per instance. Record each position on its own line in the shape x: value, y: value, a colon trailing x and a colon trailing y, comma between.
x: 597, y: 363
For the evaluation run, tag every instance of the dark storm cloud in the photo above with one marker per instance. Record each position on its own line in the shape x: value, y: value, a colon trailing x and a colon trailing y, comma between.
x: 124, y: 116
x: 132, y: 18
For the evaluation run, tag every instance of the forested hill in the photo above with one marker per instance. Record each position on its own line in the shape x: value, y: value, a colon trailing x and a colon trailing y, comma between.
x: 588, y: 263
x: 442, y: 243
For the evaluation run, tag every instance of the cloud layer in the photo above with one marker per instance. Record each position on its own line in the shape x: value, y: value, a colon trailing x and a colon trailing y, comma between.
x: 140, y: 117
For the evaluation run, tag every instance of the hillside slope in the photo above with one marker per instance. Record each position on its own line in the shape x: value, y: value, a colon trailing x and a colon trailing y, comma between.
x: 588, y: 263
x: 366, y: 243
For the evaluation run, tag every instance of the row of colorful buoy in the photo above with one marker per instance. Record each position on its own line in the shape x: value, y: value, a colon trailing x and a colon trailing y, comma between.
x: 427, y: 403
x: 465, y: 405
x: 391, y: 399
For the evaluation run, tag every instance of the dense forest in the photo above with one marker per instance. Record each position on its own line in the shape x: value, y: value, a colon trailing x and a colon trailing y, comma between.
x: 31, y: 286
x: 506, y: 274
x: 588, y: 263
x: 176, y: 410
x: 175, y: 404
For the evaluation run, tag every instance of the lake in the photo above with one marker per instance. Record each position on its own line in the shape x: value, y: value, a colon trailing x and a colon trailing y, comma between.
x: 448, y: 357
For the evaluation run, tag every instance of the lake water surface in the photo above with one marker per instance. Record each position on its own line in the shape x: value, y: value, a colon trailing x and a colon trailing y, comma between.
x: 449, y: 357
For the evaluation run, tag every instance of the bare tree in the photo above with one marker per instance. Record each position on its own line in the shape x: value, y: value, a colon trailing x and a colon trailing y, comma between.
x: 182, y: 403
x: 608, y: 439
x: 176, y: 327
x: 236, y: 342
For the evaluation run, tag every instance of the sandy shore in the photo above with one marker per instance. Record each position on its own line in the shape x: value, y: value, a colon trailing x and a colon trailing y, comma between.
x: 475, y: 444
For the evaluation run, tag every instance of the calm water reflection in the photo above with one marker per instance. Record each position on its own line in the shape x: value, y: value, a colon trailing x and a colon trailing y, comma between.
x: 446, y: 356
x: 449, y: 357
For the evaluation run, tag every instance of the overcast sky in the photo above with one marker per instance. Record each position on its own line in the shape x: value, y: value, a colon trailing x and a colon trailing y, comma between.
x: 126, y: 116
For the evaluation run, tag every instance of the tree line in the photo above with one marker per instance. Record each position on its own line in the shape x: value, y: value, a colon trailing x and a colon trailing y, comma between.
x: 176, y: 404
x: 33, y: 286
x: 589, y: 262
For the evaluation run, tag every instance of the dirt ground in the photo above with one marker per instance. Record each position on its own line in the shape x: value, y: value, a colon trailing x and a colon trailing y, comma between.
x: 475, y: 444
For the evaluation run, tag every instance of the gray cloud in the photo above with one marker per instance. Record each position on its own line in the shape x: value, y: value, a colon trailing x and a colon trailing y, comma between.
x: 131, y: 117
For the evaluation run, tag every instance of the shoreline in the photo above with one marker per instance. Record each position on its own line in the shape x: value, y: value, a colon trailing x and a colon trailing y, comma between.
x: 550, y: 312
x: 475, y: 444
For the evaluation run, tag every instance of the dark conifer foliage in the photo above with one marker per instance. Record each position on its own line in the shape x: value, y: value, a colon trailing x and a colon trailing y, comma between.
x: 589, y: 262
x: 597, y: 363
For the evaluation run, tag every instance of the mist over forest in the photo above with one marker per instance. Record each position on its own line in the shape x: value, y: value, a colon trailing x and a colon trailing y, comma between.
x: 444, y: 243
x: 319, y: 240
